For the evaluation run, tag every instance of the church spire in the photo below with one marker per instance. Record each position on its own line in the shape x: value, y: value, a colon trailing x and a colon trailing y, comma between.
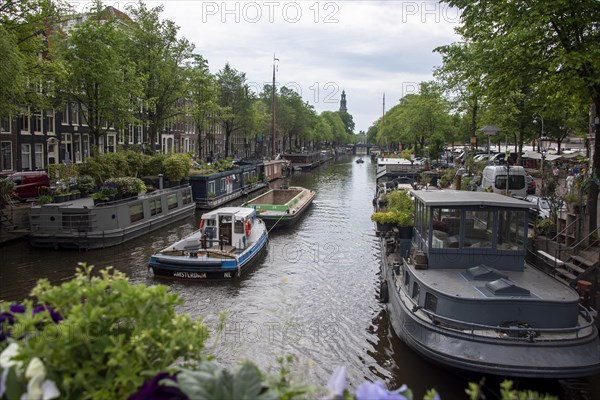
x: 343, y: 102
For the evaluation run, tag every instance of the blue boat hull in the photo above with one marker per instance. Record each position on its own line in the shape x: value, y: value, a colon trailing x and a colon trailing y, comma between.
x: 195, y: 269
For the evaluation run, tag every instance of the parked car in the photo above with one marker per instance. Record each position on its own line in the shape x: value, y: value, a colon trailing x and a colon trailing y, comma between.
x: 28, y: 184
x: 531, y: 185
x: 541, y: 209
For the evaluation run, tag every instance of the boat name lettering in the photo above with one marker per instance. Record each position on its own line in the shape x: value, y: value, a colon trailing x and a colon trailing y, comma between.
x: 192, y: 275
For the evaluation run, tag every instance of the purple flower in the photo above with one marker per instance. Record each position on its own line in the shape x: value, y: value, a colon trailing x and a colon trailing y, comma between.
x: 56, y: 317
x: 377, y: 391
x: 336, y: 384
x: 153, y: 390
x: 17, y: 308
x: 6, y: 320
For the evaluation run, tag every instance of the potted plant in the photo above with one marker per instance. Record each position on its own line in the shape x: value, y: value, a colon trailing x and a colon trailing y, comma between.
x: 85, y: 185
x: 385, y: 220
x: 177, y: 168
x: 99, y: 197
x: 546, y: 226
x: 45, y: 199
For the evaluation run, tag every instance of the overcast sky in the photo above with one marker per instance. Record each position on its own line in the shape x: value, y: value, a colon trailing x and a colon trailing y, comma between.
x: 363, y: 47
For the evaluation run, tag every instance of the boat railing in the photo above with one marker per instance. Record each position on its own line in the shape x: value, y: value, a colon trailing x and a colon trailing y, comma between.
x: 512, y: 332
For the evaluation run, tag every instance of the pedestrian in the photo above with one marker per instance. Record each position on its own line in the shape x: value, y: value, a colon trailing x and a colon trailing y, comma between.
x: 570, y: 180
x: 555, y: 171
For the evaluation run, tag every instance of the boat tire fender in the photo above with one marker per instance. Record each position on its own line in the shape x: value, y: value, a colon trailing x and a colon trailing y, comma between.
x: 384, y: 295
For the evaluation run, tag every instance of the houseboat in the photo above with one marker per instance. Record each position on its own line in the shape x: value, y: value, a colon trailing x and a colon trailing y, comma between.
x: 275, y: 169
x: 229, y: 240
x: 214, y: 190
x: 282, y: 207
x: 461, y: 294
x: 304, y: 161
x: 389, y: 168
x: 79, y: 224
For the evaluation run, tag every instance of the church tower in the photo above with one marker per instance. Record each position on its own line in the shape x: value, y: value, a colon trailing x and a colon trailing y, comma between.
x: 343, y: 102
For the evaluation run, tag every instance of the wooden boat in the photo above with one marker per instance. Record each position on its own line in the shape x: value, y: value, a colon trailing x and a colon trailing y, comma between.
x: 282, y: 207
x: 461, y: 294
x: 79, y: 224
x: 360, y: 161
x: 229, y: 240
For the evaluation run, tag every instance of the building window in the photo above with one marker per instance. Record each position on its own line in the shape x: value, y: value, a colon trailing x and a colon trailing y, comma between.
x: 6, y: 155
x: 130, y: 135
x: 5, y: 125
x: 86, y: 145
x: 39, y: 156
x: 25, y: 122
x: 50, y: 118
x: 68, y: 141
x: 65, y: 115
x: 26, y: 156
x: 37, y: 122
x: 77, y: 148
x: 111, y: 145
x: 74, y: 117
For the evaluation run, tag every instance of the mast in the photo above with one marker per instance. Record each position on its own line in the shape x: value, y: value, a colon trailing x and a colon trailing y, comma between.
x: 273, y: 110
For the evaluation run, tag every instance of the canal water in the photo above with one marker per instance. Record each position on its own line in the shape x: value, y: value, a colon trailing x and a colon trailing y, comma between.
x: 313, y: 295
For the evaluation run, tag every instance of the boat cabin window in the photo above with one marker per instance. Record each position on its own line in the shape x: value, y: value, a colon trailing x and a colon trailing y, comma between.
x: 415, y: 291
x: 222, y: 185
x: 446, y: 228
x: 155, y: 206
x: 172, y: 201
x: 430, y: 302
x: 211, y: 188
x: 210, y: 232
x: 136, y: 212
x: 511, y: 230
x: 239, y: 227
x: 478, y: 227
x: 187, y: 197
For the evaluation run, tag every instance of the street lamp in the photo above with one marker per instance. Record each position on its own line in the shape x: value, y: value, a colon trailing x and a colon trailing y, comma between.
x: 543, y: 146
x: 489, y: 130
x: 535, y: 120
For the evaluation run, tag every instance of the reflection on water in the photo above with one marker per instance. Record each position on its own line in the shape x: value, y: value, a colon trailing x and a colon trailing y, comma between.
x: 313, y: 295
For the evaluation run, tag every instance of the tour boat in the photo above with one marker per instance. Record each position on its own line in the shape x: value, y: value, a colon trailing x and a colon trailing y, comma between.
x: 282, y: 207
x: 81, y: 224
x: 229, y: 240
x: 461, y: 294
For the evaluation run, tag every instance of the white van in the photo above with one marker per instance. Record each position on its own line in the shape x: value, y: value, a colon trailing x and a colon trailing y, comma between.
x: 493, y: 179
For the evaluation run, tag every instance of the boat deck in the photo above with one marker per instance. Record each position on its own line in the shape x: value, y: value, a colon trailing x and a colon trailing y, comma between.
x: 450, y: 282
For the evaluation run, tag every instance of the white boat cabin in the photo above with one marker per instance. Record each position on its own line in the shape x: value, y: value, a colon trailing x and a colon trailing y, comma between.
x: 228, y: 226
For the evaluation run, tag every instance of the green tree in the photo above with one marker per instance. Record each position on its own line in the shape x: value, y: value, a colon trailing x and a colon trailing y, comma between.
x: 348, y: 121
x: 202, y: 91
x: 26, y: 79
x: 99, y: 77
x: 235, y: 100
x: 561, y: 36
x: 159, y: 56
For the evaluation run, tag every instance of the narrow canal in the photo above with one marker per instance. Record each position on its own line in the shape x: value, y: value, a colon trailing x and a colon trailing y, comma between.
x: 314, y: 295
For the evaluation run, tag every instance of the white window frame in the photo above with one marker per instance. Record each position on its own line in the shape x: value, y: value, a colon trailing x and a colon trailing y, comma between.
x: 26, y: 156
x: 40, y: 162
x: 68, y: 141
x: 9, y: 154
x: 51, y: 117
x: 25, y: 121
x: 38, y: 122
x: 65, y: 116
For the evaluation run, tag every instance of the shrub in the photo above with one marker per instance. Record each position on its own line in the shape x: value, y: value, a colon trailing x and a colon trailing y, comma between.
x: 112, y: 334
x: 127, y: 186
x: 177, y: 166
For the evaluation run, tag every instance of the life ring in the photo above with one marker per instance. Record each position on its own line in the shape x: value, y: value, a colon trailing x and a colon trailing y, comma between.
x: 248, y: 227
x: 201, y: 224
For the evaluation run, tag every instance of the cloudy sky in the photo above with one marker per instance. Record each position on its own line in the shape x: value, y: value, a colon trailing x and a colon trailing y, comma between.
x: 363, y: 47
